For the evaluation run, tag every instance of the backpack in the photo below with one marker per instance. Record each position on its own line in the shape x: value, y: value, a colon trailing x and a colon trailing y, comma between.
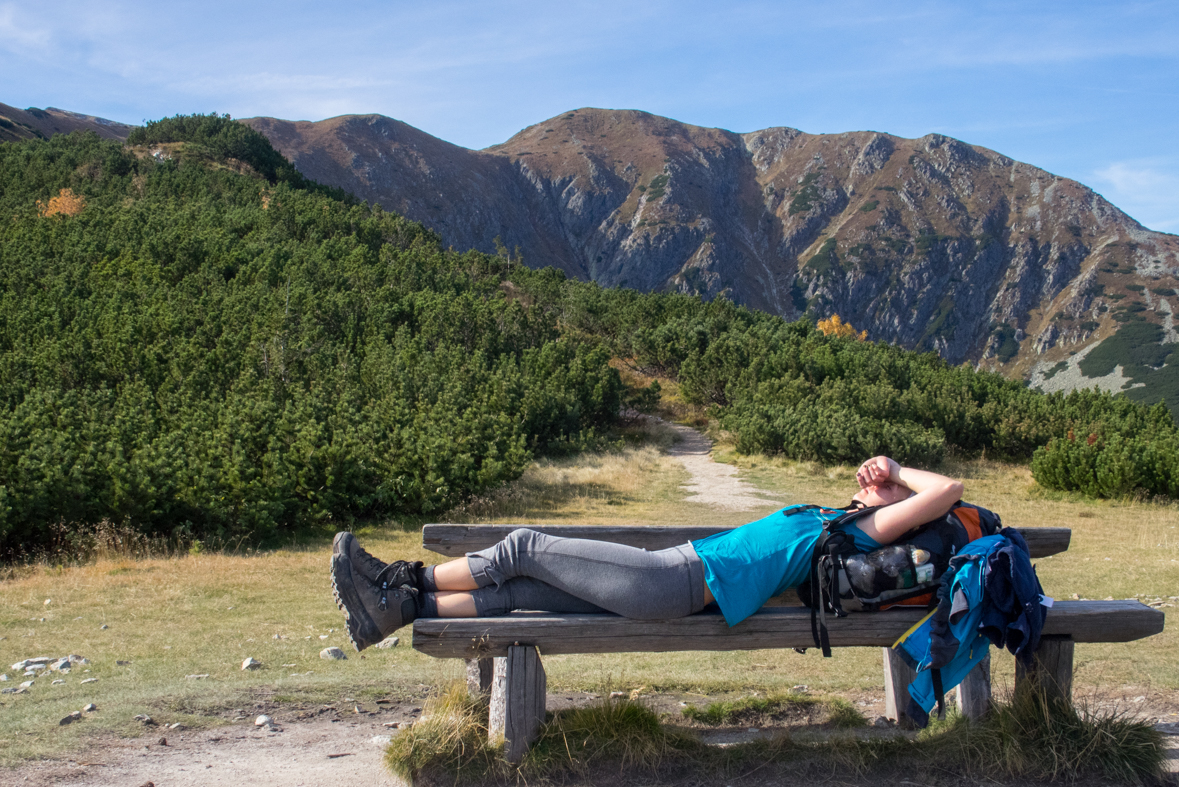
x: 845, y: 579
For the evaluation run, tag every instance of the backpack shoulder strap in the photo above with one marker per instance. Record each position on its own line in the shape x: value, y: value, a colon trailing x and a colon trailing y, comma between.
x: 820, y: 595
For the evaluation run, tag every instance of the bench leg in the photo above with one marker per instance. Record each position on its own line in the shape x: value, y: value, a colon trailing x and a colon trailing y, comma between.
x: 897, y: 677
x: 1051, y: 670
x: 518, y: 688
x: 479, y: 677
x: 974, y: 692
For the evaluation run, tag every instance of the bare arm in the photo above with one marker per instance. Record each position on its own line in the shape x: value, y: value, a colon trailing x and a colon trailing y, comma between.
x: 934, y: 494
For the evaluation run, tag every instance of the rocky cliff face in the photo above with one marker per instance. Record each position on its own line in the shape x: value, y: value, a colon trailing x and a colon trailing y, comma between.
x: 930, y: 243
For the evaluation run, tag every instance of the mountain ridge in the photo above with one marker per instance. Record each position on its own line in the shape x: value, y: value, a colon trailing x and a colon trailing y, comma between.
x: 33, y: 123
x: 896, y: 235
x: 929, y: 243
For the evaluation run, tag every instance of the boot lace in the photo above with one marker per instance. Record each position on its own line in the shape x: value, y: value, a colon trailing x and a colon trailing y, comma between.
x: 387, y: 579
x: 372, y: 566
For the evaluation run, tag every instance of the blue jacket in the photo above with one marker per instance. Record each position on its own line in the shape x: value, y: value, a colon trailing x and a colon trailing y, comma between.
x: 1014, y: 616
x: 946, y: 645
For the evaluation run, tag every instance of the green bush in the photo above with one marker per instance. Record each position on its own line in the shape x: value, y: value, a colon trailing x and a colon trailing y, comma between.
x: 785, y: 388
x: 201, y: 353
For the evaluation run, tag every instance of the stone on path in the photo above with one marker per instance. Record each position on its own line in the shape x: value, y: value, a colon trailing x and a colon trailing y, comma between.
x: 263, y: 721
x: 332, y: 654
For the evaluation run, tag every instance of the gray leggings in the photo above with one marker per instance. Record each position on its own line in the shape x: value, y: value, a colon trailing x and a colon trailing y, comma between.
x: 530, y: 570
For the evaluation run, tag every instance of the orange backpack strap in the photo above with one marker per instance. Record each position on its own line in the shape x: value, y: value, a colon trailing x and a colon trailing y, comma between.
x: 969, y: 518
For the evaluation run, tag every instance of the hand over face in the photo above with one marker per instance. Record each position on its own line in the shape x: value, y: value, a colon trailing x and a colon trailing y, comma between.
x: 876, y: 471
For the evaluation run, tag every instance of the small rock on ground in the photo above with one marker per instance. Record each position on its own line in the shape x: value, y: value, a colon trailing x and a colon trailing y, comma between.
x: 390, y: 642
x: 332, y: 654
x: 70, y: 719
x: 251, y: 664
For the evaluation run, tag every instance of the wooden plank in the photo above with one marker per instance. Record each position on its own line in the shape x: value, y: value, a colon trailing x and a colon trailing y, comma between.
x: 457, y: 540
x: 1051, y: 670
x: 517, y: 700
x: 772, y: 627
x: 498, y: 715
x: 974, y: 692
x: 897, y: 677
x: 479, y: 675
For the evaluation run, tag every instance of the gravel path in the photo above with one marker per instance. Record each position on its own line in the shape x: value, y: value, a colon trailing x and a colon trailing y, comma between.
x: 714, y: 484
x: 298, y: 754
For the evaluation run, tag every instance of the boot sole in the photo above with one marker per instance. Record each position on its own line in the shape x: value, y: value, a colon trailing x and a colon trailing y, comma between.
x: 362, y: 630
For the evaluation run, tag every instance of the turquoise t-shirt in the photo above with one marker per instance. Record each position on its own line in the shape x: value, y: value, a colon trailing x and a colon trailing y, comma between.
x: 747, y: 566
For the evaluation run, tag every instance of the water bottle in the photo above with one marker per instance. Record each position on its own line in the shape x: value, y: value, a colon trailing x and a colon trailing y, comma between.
x: 891, y: 568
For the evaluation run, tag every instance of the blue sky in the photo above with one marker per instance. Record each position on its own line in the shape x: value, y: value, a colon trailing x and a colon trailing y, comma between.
x: 1086, y: 90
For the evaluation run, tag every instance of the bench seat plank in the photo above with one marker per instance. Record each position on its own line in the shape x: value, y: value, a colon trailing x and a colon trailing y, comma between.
x: 772, y: 627
x: 457, y: 540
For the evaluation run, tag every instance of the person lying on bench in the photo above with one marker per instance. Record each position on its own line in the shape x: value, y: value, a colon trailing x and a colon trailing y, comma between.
x: 739, y: 569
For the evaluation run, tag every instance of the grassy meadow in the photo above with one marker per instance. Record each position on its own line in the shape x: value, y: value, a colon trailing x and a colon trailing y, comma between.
x: 169, y: 617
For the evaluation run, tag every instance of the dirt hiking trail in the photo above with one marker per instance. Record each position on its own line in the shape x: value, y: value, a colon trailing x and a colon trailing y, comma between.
x: 296, y: 754
x: 713, y: 484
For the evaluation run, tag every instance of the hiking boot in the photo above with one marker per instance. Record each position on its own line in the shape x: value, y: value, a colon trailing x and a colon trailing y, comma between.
x: 395, y: 574
x: 372, y: 611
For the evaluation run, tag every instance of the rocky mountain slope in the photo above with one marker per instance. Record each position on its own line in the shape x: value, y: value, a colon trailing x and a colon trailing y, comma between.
x: 930, y: 243
x: 32, y: 123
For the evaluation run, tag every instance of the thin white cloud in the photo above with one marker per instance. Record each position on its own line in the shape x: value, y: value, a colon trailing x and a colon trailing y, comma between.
x: 17, y: 32
x: 1146, y: 190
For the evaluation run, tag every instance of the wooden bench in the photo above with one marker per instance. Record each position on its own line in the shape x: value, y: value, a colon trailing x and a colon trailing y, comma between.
x: 503, y: 653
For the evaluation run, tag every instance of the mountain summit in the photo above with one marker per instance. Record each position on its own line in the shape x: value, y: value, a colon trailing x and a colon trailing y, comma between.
x: 930, y: 243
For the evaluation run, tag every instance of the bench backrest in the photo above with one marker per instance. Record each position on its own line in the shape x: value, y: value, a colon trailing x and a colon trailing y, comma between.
x: 456, y: 540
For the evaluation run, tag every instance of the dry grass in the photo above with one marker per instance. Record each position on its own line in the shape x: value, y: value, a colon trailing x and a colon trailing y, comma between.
x: 170, y: 618
x: 205, y: 613
x: 616, y: 741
